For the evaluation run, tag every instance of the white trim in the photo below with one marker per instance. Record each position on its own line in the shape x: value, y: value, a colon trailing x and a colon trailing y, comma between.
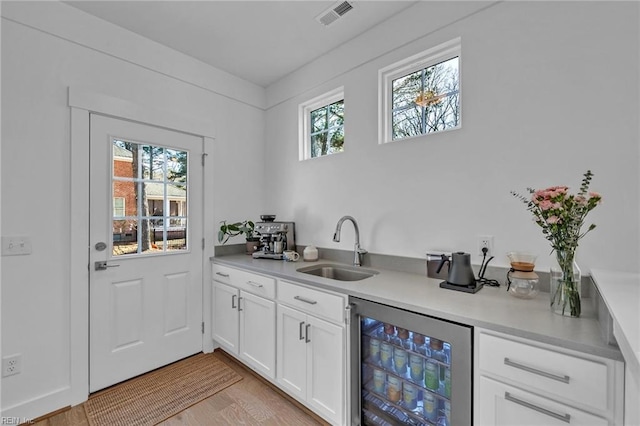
x: 304, y: 109
x: 406, y: 66
x: 46, y: 403
x: 209, y: 234
x: 122, y: 108
x: 81, y: 104
x: 79, y: 258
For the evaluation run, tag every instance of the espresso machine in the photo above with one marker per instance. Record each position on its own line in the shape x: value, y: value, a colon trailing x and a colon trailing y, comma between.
x: 275, y: 238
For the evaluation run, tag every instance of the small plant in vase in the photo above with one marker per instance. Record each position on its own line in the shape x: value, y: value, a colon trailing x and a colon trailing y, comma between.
x: 561, y: 216
x: 246, y: 228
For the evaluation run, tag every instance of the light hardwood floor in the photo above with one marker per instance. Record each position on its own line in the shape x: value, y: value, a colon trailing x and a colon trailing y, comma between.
x: 251, y: 401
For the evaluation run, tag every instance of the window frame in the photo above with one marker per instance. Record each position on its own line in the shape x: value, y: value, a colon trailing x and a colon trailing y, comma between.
x: 417, y: 62
x: 124, y: 207
x: 304, y: 120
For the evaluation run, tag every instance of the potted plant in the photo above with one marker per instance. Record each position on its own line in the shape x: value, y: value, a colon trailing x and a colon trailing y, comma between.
x: 228, y: 230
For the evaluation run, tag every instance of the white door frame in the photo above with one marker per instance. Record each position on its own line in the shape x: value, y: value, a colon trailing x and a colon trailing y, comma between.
x: 82, y: 103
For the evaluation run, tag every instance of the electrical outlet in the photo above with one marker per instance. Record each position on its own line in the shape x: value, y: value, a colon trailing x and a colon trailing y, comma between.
x: 15, y: 246
x: 485, y: 241
x: 11, y: 365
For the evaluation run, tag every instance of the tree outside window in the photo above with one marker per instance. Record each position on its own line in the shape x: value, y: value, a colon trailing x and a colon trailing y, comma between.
x: 426, y: 101
x: 327, y: 129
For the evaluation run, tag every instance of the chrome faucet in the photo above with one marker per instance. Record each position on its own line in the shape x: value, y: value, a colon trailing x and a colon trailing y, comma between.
x: 357, y: 251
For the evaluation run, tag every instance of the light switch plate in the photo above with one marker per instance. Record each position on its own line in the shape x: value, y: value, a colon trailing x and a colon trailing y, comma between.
x: 15, y: 246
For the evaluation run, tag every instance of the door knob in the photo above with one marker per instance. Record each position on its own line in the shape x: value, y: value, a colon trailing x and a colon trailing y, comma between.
x: 101, y: 265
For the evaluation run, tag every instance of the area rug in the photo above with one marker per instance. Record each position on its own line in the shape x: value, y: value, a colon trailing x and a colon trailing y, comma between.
x: 160, y: 394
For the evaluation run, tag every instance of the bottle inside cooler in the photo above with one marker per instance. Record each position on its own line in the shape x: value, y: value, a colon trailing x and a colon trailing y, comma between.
x: 406, y: 376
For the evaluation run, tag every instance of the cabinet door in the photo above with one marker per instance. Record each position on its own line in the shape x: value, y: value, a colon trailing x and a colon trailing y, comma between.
x: 325, y: 368
x: 292, y: 351
x: 258, y: 333
x: 225, y: 316
x: 503, y: 405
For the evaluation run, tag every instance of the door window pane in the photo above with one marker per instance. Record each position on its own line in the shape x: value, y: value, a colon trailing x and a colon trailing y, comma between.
x: 149, y: 199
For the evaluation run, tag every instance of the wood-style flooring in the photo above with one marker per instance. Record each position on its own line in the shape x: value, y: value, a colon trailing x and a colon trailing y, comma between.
x: 251, y: 401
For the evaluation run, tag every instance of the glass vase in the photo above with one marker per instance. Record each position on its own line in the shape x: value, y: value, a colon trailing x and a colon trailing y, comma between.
x: 565, y: 285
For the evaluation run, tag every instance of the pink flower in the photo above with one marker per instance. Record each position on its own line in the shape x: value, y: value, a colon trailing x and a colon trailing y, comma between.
x: 545, y: 205
x: 553, y: 219
x: 557, y: 206
x: 580, y: 200
x: 595, y: 195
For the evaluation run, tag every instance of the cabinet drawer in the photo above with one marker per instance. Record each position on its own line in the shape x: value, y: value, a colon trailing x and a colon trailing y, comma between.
x: 554, y: 373
x: 253, y: 283
x: 329, y: 306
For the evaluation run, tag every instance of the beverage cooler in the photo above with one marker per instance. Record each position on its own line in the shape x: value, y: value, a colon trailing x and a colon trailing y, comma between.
x: 408, y: 369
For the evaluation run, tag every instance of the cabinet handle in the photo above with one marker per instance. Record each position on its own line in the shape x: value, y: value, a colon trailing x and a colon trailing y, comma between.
x: 302, y: 299
x: 301, y: 327
x: 563, y: 417
x: 563, y: 379
x: 233, y: 301
x: 239, y: 300
x: 306, y: 333
x: 222, y: 275
x: 255, y: 284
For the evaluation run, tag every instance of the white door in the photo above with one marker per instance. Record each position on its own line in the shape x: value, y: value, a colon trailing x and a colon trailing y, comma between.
x: 292, y: 351
x: 225, y: 316
x: 325, y: 368
x: 146, y: 254
x: 258, y: 333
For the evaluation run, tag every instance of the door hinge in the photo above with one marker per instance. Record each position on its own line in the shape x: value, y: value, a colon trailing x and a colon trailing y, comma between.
x: 204, y: 154
x: 202, y: 327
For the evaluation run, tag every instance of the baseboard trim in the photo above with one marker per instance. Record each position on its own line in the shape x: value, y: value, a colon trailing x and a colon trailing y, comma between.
x: 39, y: 406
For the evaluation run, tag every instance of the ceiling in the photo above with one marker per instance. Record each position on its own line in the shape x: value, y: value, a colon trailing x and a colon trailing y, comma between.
x: 259, y: 41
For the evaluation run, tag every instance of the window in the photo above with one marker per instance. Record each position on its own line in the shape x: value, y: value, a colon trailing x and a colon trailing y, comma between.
x: 150, y: 191
x: 322, y: 125
x: 421, y: 94
x: 118, y: 207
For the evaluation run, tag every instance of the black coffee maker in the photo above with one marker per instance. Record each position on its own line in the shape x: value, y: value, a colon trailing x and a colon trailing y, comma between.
x: 461, y: 276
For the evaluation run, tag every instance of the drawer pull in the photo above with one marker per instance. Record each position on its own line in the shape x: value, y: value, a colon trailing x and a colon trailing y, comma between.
x: 563, y: 417
x: 255, y: 284
x: 233, y: 301
x: 306, y: 333
x: 302, y: 299
x: 301, y: 327
x: 222, y: 274
x: 563, y: 379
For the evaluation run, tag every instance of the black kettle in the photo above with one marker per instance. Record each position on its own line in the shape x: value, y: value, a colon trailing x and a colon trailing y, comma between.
x: 460, y: 271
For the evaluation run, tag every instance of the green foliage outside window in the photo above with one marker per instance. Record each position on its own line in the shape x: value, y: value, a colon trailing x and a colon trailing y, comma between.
x: 327, y: 129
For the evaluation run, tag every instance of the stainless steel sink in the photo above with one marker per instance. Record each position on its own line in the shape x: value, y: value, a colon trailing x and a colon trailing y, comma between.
x: 339, y: 272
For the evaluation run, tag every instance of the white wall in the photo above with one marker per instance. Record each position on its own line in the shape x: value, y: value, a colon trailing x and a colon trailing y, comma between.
x: 68, y: 48
x: 549, y: 90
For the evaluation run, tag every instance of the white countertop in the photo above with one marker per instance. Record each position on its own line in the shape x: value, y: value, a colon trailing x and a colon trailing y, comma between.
x: 492, y: 308
x: 621, y: 293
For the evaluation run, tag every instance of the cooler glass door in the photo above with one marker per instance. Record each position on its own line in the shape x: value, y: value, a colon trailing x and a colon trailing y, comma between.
x: 409, y: 368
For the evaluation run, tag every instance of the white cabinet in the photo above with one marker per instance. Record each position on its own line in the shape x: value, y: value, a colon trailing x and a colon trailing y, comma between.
x: 225, y: 316
x: 243, y: 322
x: 258, y: 332
x: 311, y: 350
x: 504, y: 405
x: 521, y: 382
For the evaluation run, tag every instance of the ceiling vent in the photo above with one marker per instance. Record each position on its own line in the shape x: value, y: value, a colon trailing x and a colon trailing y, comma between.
x: 335, y: 12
